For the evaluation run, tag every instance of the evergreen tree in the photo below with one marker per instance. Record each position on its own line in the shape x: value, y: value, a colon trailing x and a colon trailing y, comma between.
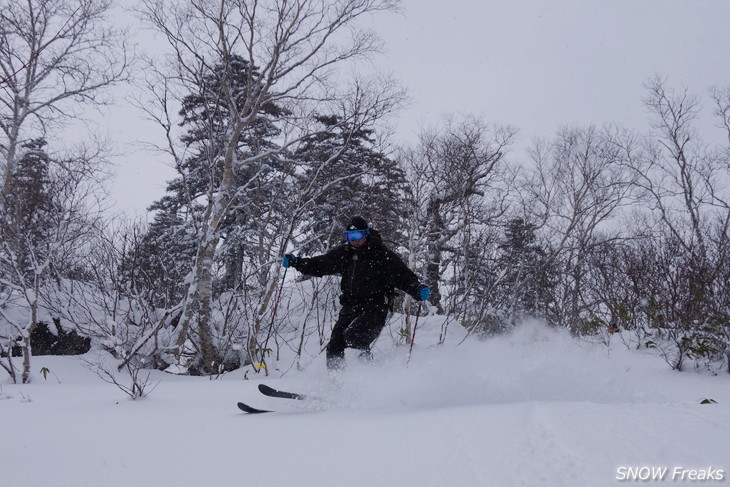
x: 26, y: 210
x: 156, y: 266
x: 171, y: 239
x: 361, y: 181
x: 524, y: 272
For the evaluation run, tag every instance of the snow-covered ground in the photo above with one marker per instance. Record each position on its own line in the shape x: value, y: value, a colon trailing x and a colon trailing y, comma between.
x: 529, y: 409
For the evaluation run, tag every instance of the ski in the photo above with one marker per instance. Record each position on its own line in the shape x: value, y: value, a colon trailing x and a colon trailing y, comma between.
x: 251, y: 410
x: 271, y: 392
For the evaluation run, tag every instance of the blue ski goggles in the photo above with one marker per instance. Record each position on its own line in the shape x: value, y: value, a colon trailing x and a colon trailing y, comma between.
x: 356, y: 235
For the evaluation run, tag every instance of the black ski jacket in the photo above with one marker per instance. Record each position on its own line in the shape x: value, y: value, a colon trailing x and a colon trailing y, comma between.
x: 370, y: 273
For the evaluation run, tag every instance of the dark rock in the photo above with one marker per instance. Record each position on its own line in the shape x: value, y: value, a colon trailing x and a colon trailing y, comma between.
x: 55, y: 340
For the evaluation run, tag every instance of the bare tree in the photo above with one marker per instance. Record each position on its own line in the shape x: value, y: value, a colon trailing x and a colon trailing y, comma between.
x: 43, y: 243
x: 55, y: 56
x: 110, y: 305
x: 579, y: 184
x: 457, y: 177
x: 721, y: 96
x: 290, y: 50
x: 680, y: 174
x: 685, y: 182
x: 137, y: 386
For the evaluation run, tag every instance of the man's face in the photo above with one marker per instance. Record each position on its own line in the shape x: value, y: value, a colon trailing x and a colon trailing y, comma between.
x: 358, y: 243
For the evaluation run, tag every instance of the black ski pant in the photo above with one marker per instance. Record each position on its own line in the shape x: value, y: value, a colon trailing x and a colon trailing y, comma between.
x: 358, y: 326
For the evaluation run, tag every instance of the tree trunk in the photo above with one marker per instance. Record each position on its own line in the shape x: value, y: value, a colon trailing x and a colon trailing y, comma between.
x: 27, y: 351
x: 204, y: 315
x: 198, y: 310
x: 433, y: 245
x: 9, y: 166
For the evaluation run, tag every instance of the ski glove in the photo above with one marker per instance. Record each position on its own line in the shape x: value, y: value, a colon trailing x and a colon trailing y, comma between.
x: 423, y: 292
x: 289, y: 260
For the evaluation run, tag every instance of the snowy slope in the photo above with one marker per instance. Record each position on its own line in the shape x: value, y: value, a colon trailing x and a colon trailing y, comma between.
x: 533, y: 408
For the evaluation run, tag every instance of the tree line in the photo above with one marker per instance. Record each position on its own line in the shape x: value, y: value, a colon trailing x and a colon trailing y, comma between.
x: 603, y: 231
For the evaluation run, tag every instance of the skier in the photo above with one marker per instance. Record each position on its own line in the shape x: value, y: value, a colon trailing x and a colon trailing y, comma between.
x: 370, y: 273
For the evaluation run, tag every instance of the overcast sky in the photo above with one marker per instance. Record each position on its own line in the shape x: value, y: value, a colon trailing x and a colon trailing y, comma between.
x: 538, y: 65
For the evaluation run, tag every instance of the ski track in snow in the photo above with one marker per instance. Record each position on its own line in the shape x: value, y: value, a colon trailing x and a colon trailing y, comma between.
x: 535, y: 408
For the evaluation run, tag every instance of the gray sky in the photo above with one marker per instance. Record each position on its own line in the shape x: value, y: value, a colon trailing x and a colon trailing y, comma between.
x: 541, y: 64
x: 536, y: 64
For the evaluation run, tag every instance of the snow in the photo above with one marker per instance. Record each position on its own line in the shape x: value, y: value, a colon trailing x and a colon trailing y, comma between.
x: 536, y: 407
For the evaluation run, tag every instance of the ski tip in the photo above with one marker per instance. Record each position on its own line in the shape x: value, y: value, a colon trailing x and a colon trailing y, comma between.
x: 264, y: 389
x: 270, y: 391
x: 251, y: 410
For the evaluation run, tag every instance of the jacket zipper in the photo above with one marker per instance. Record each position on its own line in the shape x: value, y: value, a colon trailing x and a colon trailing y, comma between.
x: 355, y: 258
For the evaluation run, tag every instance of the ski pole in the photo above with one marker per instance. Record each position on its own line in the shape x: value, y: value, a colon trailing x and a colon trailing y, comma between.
x: 278, y: 299
x: 413, y: 338
x: 273, y: 317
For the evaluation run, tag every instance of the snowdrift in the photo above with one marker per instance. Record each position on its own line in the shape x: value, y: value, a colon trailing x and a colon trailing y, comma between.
x: 536, y: 407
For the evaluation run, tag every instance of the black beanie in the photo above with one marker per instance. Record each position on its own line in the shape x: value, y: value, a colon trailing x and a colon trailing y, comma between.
x: 357, y: 223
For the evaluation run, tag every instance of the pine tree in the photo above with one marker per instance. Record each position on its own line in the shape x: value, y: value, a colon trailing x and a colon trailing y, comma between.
x: 26, y: 211
x: 157, y: 265
x: 523, y: 269
x: 171, y: 237
x: 361, y: 181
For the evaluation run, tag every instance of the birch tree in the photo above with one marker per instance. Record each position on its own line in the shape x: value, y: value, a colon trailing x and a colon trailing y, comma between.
x: 291, y: 50
x: 578, y: 184
x: 55, y: 57
x: 457, y: 174
x: 684, y: 181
